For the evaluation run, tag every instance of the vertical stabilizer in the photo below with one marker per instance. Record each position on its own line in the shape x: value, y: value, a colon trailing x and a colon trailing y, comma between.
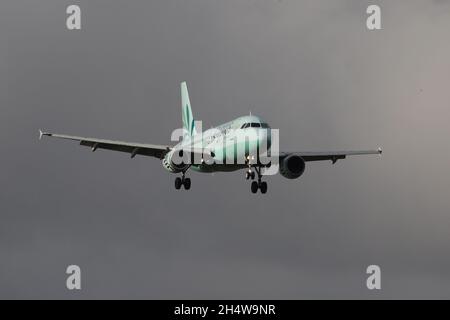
x: 187, y: 117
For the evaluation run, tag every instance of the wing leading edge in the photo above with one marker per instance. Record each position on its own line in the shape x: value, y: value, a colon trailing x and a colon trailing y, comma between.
x: 159, y: 151
x: 152, y: 150
x: 329, y: 155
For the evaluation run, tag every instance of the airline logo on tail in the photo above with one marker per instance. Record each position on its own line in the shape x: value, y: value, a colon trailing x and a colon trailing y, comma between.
x: 187, y: 117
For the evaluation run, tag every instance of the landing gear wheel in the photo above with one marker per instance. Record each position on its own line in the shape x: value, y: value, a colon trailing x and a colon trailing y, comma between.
x: 178, y: 183
x: 187, y: 183
x: 263, y: 187
x: 254, y: 187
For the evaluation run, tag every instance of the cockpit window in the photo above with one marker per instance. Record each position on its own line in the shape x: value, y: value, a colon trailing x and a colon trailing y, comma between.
x: 255, y: 125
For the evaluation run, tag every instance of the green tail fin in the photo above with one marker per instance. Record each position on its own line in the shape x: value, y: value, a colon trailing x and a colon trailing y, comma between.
x: 187, y: 117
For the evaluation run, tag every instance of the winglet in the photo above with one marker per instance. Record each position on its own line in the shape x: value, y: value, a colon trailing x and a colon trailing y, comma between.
x: 43, y: 133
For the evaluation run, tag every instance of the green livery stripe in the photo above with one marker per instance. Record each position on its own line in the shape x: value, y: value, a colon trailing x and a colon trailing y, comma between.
x: 187, y: 121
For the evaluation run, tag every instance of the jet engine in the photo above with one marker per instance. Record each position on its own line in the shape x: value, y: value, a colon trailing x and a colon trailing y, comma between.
x: 292, y: 166
x: 173, y: 161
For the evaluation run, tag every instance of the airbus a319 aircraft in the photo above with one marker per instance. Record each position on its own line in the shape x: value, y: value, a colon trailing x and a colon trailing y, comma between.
x: 214, y: 146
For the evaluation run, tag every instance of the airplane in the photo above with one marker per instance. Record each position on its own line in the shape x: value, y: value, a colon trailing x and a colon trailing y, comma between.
x: 214, y: 145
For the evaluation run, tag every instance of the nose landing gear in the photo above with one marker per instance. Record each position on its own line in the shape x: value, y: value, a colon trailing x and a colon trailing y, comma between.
x: 250, y: 174
x: 261, y: 185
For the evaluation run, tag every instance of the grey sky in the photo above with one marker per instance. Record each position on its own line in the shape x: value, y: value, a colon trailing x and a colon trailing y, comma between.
x: 310, y: 68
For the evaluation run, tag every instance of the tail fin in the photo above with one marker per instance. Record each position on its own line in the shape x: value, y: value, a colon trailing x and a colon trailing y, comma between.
x: 188, y: 119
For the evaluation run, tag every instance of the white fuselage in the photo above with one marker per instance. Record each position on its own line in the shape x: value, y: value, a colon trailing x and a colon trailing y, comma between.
x: 231, y: 146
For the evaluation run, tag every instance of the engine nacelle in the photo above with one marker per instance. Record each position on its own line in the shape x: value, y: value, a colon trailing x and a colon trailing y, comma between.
x: 292, y: 166
x: 172, y: 166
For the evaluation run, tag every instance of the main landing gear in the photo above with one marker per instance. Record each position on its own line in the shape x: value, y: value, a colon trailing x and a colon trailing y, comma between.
x: 186, y: 182
x: 183, y: 181
x: 261, y: 185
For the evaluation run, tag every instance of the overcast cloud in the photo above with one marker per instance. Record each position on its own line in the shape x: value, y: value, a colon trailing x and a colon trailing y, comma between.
x: 309, y: 68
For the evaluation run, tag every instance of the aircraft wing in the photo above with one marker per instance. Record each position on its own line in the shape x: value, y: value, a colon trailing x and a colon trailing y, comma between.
x: 328, y: 155
x: 152, y: 150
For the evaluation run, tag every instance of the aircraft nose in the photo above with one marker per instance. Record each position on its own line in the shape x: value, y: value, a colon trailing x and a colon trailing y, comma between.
x: 261, y: 141
x: 264, y: 139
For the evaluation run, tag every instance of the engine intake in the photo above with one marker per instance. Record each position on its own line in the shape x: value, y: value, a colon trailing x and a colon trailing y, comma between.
x: 174, y: 166
x: 292, y: 166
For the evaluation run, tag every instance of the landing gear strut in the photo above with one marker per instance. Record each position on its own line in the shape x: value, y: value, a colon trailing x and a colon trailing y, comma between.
x: 261, y: 185
x: 250, y: 174
x: 183, y: 181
